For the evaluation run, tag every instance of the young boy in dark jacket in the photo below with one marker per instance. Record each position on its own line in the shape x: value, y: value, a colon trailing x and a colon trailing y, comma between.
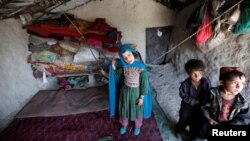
x: 193, y: 92
x: 226, y: 105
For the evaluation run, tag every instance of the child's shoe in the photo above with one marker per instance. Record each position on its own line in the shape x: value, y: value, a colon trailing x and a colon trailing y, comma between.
x: 137, y: 131
x: 123, y: 130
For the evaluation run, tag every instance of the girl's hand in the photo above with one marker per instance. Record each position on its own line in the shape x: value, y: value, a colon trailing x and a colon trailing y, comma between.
x: 113, y: 63
x: 139, y: 101
x: 212, y: 122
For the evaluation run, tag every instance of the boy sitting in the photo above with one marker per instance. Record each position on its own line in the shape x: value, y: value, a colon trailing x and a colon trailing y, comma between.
x: 193, y: 92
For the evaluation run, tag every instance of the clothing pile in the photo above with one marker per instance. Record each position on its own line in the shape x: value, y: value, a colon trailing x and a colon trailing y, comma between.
x: 69, y: 46
x: 215, y: 20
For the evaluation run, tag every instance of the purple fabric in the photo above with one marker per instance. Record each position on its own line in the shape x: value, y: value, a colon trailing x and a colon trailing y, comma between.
x: 138, y: 122
x: 81, y: 127
x: 124, y: 122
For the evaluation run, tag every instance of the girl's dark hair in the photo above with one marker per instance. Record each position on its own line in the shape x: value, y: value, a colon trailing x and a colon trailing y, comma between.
x: 230, y: 74
x: 194, y: 65
x: 135, y: 55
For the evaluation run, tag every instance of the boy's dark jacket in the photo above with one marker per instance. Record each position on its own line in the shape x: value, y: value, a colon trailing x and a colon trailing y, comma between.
x: 239, y: 114
x: 189, y: 97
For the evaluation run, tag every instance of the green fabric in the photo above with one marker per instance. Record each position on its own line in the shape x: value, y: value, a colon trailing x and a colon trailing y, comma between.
x: 243, y: 24
x: 129, y: 95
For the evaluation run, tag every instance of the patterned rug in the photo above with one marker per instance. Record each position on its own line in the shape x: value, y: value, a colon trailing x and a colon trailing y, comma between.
x: 94, y: 126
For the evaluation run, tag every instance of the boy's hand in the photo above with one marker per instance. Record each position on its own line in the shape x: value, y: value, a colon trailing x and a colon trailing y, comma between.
x: 139, y: 101
x: 207, y: 104
x: 197, y: 102
x: 212, y: 122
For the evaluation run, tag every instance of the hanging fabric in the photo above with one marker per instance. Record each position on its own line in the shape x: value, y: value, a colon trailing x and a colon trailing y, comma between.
x: 197, y: 17
x: 205, y: 30
x: 243, y: 24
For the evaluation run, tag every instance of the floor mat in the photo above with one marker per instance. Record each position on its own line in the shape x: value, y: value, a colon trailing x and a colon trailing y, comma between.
x: 62, y: 102
x: 94, y: 126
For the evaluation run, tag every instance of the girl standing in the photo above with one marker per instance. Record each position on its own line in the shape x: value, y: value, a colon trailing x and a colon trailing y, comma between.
x: 129, y: 90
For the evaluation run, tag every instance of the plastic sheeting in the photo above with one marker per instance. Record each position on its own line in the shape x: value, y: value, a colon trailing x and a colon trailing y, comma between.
x: 86, y: 54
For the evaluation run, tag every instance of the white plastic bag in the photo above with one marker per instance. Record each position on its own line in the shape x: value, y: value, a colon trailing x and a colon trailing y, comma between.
x: 85, y: 55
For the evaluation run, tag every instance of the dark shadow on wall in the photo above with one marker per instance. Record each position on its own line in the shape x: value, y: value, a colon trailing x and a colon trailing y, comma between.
x: 157, y: 43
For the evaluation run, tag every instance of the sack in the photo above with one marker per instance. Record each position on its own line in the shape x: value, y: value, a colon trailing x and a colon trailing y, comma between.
x: 230, y: 18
